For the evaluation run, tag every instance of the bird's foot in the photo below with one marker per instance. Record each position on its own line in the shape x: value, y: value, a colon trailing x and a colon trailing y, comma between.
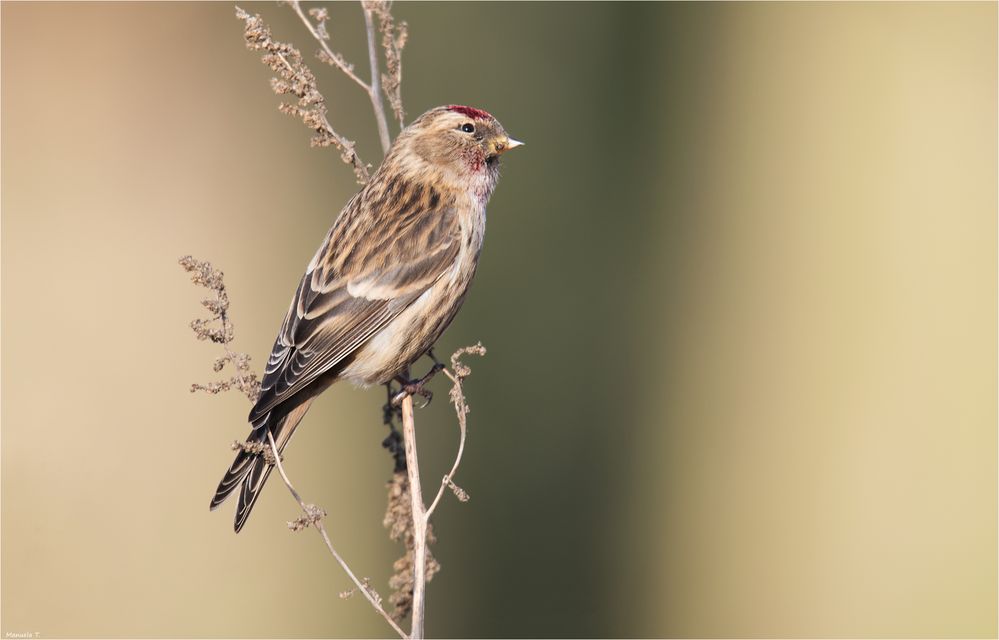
x: 416, y: 387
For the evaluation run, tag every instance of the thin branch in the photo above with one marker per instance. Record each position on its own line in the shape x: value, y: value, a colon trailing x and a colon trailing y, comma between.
x: 419, y: 519
x: 457, y: 373
x: 394, y: 37
x: 460, y: 409
x: 448, y: 480
x: 314, y: 516
x: 330, y: 56
x: 420, y: 513
x: 375, y: 91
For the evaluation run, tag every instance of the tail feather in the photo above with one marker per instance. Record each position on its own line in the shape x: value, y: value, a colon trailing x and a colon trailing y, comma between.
x: 249, y: 471
x: 254, y: 482
x: 233, y: 477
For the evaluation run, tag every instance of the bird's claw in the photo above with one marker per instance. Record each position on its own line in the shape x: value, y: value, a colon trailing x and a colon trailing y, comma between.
x: 413, y: 389
x: 416, y: 387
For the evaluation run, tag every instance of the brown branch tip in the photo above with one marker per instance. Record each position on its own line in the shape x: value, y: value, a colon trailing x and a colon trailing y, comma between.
x: 462, y: 371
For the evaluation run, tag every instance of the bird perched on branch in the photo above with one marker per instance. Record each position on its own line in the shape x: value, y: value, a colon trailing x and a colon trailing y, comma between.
x: 385, y: 283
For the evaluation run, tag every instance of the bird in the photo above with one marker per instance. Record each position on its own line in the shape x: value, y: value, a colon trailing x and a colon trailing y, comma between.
x: 385, y: 283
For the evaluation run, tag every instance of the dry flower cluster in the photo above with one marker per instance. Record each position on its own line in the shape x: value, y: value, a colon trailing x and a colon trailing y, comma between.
x: 218, y: 328
x: 256, y: 448
x: 407, y: 518
x: 296, y: 79
x: 399, y: 521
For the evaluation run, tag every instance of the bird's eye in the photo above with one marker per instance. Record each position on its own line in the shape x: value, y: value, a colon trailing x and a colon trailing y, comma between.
x: 468, y: 127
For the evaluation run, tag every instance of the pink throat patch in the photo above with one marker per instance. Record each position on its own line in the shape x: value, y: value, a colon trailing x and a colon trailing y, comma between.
x: 471, y: 112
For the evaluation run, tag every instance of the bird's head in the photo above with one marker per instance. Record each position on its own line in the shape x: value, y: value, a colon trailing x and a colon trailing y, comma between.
x: 454, y: 140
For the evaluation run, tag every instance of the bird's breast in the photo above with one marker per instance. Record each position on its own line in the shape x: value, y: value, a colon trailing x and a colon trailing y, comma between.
x: 417, y: 328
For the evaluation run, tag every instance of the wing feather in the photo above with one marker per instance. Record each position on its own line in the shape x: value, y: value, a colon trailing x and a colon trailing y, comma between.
x: 354, y: 289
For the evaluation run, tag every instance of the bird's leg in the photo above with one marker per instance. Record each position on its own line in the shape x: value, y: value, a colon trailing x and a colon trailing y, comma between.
x: 393, y: 442
x: 416, y: 387
x: 437, y: 363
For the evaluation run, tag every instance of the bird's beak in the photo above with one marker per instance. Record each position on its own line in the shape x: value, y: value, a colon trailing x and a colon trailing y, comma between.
x: 505, y: 145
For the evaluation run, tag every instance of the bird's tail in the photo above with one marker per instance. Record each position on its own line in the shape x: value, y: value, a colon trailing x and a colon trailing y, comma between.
x: 249, y: 471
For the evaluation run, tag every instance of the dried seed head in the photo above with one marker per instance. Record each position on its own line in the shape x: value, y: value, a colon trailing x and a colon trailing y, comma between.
x: 398, y: 520
x: 296, y: 79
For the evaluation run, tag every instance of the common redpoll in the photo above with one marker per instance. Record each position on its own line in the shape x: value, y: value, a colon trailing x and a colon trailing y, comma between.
x: 387, y: 280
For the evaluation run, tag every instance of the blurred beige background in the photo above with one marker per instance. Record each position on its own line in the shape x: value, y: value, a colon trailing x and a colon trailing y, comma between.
x: 739, y: 292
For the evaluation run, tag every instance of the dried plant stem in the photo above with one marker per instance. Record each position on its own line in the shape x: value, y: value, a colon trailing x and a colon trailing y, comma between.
x: 460, y: 408
x: 374, y: 88
x: 420, y: 513
x: 334, y: 59
x: 349, y: 153
x: 419, y: 519
x: 314, y: 516
x: 375, y: 91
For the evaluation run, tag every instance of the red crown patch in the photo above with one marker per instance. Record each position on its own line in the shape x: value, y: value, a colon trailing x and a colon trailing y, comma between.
x: 471, y: 112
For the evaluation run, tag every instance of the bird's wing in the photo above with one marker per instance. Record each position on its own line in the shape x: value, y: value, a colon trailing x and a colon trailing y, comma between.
x: 374, y: 263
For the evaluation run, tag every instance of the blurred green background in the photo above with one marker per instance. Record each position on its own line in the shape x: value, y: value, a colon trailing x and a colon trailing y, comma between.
x: 739, y: 295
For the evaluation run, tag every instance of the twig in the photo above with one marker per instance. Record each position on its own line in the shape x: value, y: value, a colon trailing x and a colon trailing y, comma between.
x: 331, y: 57
x: 337, y: 60
x: 394, y: 37
x: 375, y: 91
x: 314, y: 516
x: 460, y: 408
x: 420, y: 513
x: 419, y: 519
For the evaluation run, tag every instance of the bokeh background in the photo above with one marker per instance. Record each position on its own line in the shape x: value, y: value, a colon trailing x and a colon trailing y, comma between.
x: 739, y: 295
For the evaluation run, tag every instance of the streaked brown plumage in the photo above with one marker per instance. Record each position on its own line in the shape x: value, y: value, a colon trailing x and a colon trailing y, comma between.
x: 385, y: 283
